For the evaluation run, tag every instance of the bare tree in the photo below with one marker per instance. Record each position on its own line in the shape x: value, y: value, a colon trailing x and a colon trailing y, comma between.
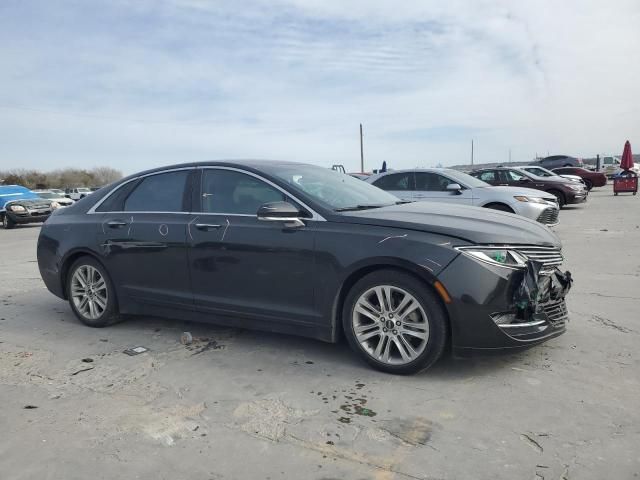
x: 105, y: 175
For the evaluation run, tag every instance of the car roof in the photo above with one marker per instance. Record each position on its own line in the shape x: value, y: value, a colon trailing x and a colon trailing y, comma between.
x: 238, y: 163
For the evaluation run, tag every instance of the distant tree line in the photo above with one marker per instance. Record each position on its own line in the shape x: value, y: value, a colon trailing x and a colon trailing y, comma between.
x: 62, y: 178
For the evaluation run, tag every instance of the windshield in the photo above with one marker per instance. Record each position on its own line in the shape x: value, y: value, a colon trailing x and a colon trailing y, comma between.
x: 48, y: 195
x: 465, y: 179
x: 84, y: 190
x: 332, y: 189
x: 540, y: 172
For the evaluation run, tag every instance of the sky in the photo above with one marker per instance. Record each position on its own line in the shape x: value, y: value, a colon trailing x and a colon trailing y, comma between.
x: 142, y: 83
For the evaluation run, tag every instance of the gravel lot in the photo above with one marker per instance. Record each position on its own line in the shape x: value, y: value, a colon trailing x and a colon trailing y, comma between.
x: 244, y: 405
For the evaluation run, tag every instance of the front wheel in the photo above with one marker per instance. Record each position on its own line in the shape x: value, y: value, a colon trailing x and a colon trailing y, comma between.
x: 91, y: 293
x: 560, y: 196
x: 395, y: 322
x: 7, y: 223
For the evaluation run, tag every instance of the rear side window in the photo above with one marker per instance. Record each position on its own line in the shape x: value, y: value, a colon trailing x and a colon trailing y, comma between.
x: 228, y: 191
x: 115, y: 201
x: 513, y: 176
x: 164, y: 192
x: 396, y: 181
x: 488, y: 176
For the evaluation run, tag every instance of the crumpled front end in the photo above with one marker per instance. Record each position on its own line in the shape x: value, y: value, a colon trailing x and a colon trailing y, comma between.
x: 500, y: 308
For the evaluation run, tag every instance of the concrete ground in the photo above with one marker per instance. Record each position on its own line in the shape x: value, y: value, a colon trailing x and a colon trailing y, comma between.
x: 245, y: 405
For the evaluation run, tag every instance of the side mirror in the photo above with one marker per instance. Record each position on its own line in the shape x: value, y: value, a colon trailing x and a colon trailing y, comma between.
x: 454, y: 187
x: 281, y: 212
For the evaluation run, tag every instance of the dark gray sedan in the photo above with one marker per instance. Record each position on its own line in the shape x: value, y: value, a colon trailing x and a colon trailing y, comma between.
x: 304, y: 250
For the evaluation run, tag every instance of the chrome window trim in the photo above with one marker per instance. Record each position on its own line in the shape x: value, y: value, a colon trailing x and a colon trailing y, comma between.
x: 314, y: 215
x: 92, y: 211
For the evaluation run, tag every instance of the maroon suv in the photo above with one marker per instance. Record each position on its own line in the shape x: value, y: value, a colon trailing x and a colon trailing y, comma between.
x: 565, y: 190
x: 591, y: 179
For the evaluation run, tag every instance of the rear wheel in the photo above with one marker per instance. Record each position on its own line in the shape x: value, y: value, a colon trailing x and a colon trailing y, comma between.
x: 499, y: 206
x: 395, y: 322
x: 91, y: 293
x: 560, y: 196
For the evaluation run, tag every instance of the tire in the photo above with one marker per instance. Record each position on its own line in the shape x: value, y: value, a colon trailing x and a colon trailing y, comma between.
x: 560, y: 196
x: 426, y: 330
x: 589, y: 184
x: 7, y: 223
x: 499, y: 206
x: 100, y: 308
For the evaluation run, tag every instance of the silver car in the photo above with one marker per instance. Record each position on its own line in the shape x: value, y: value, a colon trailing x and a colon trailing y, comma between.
x: 452, y: 186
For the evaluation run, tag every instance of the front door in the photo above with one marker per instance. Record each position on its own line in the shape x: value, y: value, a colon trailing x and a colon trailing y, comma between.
x: 241, y: 265
x: 432, y: 187
x: 144, y: 239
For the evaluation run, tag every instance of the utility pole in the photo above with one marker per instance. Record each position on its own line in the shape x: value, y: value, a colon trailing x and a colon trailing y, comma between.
x: 509, y: 155
x: 361, y: 151
x: 472, y: 152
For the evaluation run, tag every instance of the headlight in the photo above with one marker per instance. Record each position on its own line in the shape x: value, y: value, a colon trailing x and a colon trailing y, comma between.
x: 17, y: 208
x: 575, y: 187
x: 501, y: 257
x: 54, y: 205
x: 522, y: 198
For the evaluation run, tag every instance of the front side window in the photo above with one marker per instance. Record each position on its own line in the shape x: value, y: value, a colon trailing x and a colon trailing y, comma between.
x: 164, y: 192
x: 395, y: 181
x: 231, y: 192
x: 432, y: 182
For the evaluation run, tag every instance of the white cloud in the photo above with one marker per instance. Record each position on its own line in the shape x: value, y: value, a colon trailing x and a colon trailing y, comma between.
x: 135, y: 84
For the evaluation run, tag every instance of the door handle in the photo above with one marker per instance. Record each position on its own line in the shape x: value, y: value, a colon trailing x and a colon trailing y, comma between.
x: 207, y: 226
x: 116, y: 224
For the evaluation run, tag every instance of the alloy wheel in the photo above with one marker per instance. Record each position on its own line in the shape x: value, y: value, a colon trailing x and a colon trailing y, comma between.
x: 89, y: 292
x: 390, y: 325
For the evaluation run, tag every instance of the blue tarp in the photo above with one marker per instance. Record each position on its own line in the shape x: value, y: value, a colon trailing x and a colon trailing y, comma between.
x: 9, y: 193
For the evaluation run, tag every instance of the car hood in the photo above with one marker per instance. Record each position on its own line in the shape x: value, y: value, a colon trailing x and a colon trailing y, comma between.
x: 473, y: 224
x: 513, y: 191
x: 31, y: 202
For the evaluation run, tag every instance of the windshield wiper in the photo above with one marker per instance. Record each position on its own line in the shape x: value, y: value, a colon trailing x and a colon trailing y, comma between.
x: 358, y: 207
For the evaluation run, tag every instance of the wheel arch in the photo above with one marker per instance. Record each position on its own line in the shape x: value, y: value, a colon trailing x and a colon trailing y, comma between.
x: 69, y: 259
x: 492, y: 203
x: 420, y: 274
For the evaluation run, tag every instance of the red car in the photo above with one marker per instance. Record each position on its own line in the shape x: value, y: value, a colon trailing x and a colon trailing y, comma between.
x: 591, y: 179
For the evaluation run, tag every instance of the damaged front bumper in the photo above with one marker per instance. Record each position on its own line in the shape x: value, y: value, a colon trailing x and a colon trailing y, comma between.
x: 496, y: 309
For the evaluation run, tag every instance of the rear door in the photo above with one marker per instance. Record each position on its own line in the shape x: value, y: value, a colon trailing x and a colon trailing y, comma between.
x: 401, y: 184
x: 432, y: 187
x: 144, y: 229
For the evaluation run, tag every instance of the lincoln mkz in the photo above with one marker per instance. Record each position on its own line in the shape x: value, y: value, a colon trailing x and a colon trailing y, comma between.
x: 303, y: 250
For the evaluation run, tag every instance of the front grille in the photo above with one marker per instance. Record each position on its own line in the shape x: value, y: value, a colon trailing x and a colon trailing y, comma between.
x: 549, y: 216
x: 550, y: 257
x: 557, y: 313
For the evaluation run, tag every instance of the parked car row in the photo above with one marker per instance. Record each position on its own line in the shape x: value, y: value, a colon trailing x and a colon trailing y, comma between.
x: 451, y: 186
x: 19, y: 205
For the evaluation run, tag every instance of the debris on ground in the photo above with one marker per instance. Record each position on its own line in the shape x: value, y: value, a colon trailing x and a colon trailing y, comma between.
x: 82, y: 370
x: 186, y: 338
x: 87, y: 360
x: 135, y: 351
x: 30, y: 407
